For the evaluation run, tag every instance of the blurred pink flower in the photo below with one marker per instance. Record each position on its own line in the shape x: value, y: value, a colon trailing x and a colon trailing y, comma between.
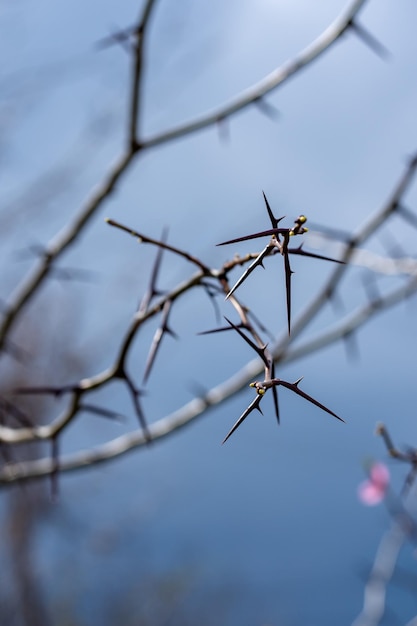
x: 373, y: 490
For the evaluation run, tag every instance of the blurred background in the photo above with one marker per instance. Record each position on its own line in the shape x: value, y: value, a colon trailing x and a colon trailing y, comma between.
x: 268, y: 529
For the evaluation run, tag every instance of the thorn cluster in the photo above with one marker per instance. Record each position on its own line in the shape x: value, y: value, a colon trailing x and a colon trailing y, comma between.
x: 270, y: 382
x: 278, y: 243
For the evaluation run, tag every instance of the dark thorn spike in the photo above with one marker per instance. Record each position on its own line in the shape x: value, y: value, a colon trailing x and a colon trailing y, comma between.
x: 253, y: 405
x: 274, y: 220
x: 212, y: 295
x: 15, y: 412
x: 138, y: 409
x: 258, y: 261
x: 312, y: 255
x: 263, y: 233
x: 157, y: 340
x: 215, y: 330
x: 258, y: 350
x: 288, y: 273
x: 275, y: 394
x: 293, y: 387
x: 407, y: 215
x: 98, y: 410
x: 171, y: 332
x: 260, y: 325
x: 54, y: 391
x: 266, y: 108
x: 152, y: 290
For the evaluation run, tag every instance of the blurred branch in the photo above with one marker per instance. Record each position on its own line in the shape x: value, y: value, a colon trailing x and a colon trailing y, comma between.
x: 377, y: 263
x: 381, y: 574
x: 255, y: 93
x: 353, y: 322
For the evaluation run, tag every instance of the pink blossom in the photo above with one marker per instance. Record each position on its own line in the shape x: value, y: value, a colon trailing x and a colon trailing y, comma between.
x: 373, y: 490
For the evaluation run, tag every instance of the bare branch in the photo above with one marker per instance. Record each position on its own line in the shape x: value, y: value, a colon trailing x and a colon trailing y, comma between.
x: 156, y: 342
x: 268, y: 84
x: 369, y: 40
x: 139, y: 34
x: 160, y: 243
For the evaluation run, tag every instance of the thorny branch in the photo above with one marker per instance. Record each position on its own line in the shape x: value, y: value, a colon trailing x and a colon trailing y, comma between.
x: 154, y: 304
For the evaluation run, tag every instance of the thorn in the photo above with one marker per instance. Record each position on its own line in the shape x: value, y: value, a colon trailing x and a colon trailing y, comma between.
x: 120, y: 36
x: 370, y: 40
x: 171, y: 332
x: 288, y: 273
x: 294, y: 388
x: 135, y: 393
x: 274, y: 221
x: 152, y: 290
x: 223, y: 127
x: 275, y: 393
x: 263, y: 233
x: 217, y: 330
x: 97, y: 410
x: 258, y: 350
x: 407, y: 215
x: 157, y: 339
x: 265, y: 252
x: 313, y: 255
x: 266, y: 108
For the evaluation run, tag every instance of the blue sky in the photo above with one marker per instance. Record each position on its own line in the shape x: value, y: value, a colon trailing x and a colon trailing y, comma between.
x: 345, y: 129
